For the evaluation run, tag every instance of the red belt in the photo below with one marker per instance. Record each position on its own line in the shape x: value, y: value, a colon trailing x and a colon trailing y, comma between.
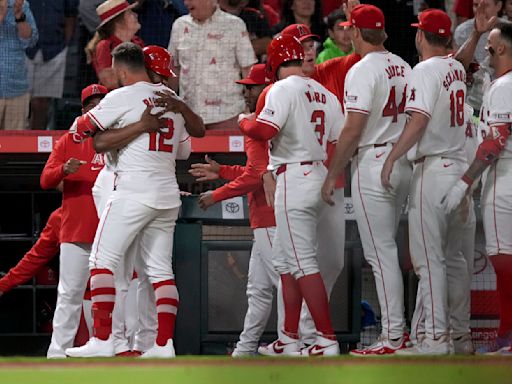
x: 371, y: 146
x: 282, y: 168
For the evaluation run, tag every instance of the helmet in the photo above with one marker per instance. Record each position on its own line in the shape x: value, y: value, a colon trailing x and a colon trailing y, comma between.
x: 159, y: 60
x: 282, y: 49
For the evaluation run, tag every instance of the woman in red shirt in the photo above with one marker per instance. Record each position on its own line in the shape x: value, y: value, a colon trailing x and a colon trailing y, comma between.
x: 119, y: 24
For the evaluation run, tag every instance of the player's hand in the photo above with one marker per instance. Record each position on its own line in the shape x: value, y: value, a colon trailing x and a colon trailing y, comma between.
x: 152, y: 122
x: 453, y: 198
x: 170, y: 102
x: 385, y: 175
x: 18, y: 8
x: 248, y: 116
x: 328, y: 190
x: 73, y: 165
x: 205, y: 172
x: 482, y: 23
x: 269, y: 186
x: 206, y: 200
x: 349, y: 6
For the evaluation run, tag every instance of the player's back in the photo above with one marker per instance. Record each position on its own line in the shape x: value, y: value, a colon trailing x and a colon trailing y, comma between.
x: 438, y: 90
x: 376, y: 86
x: 308, y: 116
x: 147, y: 164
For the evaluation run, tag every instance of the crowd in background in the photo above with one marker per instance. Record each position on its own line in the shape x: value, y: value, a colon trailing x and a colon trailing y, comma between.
x: 50, y: 50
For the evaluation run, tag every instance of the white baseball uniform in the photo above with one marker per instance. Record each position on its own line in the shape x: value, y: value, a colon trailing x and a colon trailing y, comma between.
x: 146, y: 197
x: 437, y: 89
x: 497, y: 186
x: 306, y: 116
x: 458, y: 274
x: 376, y: 86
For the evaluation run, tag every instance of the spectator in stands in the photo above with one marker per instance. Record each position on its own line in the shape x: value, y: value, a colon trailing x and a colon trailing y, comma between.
x: 46, y: 62
x: 273, y: 16
x: 308, y: 12
x: 255, y: 21
x: 89, y: 21
x: 119, y: 23
x: 211, y: 50
x: 464, y: 10
x: 329, y: 6
x: 338, y: 43
x: 507, y: 9
x: 18, y: 31
x: 156, y: 18
x: 484, y: 74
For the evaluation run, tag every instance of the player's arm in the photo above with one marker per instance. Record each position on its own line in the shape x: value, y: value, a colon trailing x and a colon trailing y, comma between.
x: 193, y: 122
x: 112, y: 139
x: 59, y: 165
x: 46, y: 247
x: 345, y: 149
x: 412, y: 133
x: 466, y: 53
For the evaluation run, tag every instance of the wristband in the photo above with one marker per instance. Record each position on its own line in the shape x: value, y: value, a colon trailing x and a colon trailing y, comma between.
x: 468, y: 180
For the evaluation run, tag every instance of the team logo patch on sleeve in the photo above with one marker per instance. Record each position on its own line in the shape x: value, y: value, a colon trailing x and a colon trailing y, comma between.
x: 413, y: 94
x: 268, y: 111
x: 351, y: 98
x: 503, y: 116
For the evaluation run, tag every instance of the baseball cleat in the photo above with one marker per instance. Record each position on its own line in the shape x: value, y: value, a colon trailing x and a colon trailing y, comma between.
x: 94, y: 348
x: 160, y: 352
x: 322, y: 347
x: 463, y: 345
x: 284, y: 346
x: 383, y: 346
x: 428, y: 347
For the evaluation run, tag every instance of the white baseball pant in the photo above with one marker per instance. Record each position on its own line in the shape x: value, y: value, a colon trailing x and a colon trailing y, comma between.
x: 331, y: 256
x: 497, y: 208
x: 298, y: 205
x: 458, y: 283
x: 378, y: 216
x: 435, y: 239
x: 74, y: 273
x: 262, y: 279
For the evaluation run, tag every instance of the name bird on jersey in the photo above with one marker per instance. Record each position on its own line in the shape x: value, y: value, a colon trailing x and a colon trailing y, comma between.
x: 150, y: 159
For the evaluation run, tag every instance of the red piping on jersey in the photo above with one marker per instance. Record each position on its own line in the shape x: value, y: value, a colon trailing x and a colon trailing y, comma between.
x: 101, y: 233
x: 289, y: 228
x: 494, y: 209
x: 373, y: 242
x: 358, y: 110
x: 426, y: 254
x: 268, y: 236
x: 418, y: 110
x: 96, y: 121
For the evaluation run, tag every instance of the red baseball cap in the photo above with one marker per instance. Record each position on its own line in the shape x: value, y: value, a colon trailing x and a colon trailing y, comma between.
x: 300, y: 31
x: 256, y: 76
x: 93, y: 90
x: 365, y: 16
x: 434, y: 21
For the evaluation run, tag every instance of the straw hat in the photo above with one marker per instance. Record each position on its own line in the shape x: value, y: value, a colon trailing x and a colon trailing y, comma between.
x: 112, y: 8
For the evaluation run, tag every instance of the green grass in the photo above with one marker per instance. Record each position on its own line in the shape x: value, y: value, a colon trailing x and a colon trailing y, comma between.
x: 222, y: 370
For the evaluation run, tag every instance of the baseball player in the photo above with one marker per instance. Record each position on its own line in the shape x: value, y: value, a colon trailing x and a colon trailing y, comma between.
x: 459, y: 287
x: 262, y: 277
x: 300, y: 116
x: 76, y: 165
x: 495, y: 154
x: 435, y: 104
x: 145, y: 200
x: 331, y: 224
x: 374, y: 102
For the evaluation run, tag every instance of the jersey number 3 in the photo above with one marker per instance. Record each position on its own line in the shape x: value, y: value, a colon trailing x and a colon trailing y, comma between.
x: 162, y: 138
x: 318, y: 117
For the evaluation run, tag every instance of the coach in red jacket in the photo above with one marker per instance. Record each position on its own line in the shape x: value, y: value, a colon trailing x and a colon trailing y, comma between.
x: 77, y: 165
